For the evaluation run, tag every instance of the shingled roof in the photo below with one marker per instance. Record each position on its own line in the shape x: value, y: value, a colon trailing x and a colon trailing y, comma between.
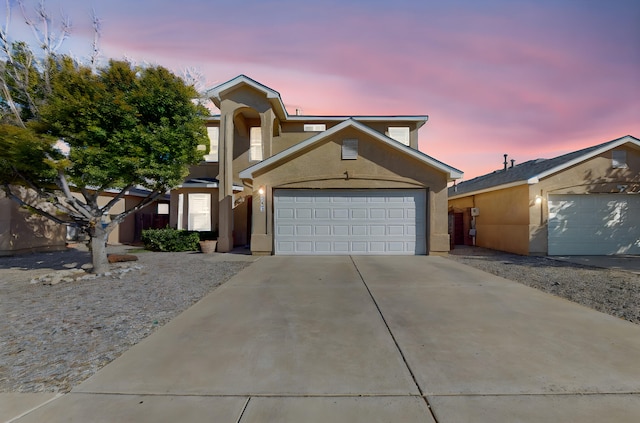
x: 533, y: 170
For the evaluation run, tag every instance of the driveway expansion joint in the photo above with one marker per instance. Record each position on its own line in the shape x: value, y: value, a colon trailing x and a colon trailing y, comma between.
x: 395, y: 341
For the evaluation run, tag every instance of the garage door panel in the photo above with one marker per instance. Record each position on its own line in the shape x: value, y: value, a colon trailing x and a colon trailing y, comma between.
x: 378, y: 213
x: 285, y: 213
x: 359, y: 213
x: 595, y: 224
x: 377, y: 230
x: 303, y: 213
x: 285, y: 230
x: 360, y: 222
x: 341, y: 213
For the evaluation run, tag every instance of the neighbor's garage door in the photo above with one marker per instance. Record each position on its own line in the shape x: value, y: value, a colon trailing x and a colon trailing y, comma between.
x: 594, y: 224
x: 337, y: 222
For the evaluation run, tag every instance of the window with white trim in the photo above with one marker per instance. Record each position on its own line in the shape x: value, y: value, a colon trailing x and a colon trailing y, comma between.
x: 315, y: 127
x: 255, y: 144
x: 619, y: 159
x: 214, y: 138
x: 199, y: 212
x: 400, y: 134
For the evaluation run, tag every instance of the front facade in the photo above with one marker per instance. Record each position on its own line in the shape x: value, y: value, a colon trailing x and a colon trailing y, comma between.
x: 583, y: 203
x: 313, y: 184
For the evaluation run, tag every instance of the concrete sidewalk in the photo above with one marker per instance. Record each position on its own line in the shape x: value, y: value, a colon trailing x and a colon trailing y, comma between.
x: 366, y: 339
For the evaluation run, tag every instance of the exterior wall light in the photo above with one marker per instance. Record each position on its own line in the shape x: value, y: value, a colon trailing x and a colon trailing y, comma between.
x: 538, y: 200
x: 261, y: 192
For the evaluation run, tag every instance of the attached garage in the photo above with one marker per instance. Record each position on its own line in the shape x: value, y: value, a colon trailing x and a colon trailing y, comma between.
x: 595, y: 224
x: 347, y: 221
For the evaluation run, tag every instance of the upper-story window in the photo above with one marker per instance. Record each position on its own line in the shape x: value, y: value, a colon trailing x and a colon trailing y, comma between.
x: 255, y: 144
x: 400, y: 134
x: 315, y: 127
x: 619, y: 159
x: 214, y: 138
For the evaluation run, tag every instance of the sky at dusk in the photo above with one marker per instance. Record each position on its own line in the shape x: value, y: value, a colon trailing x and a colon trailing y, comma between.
x: 532, y: 79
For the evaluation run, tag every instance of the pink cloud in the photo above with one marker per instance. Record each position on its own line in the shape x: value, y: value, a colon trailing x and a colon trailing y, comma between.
x: 530, y: 80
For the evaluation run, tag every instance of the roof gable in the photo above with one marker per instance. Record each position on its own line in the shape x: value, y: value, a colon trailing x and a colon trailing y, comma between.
x: 285, y: 154
x: 532, y: 171
x: 216, y: 93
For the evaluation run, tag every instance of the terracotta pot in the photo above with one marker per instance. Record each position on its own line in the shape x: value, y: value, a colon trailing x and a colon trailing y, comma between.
x: 208, y: 247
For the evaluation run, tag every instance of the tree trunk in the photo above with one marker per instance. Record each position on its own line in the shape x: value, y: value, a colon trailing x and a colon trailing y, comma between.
x: 99, y: 251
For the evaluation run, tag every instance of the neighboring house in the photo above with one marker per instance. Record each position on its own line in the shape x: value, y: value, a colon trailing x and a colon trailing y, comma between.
x: 291, y: 184
x: 155, y: 215
x: 583, y: 203
x: 22, y: 231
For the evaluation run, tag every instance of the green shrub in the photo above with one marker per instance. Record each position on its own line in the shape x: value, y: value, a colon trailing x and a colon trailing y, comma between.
x: 170, y: 240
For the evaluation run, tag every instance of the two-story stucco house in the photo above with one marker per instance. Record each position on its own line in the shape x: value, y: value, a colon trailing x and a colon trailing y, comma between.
x: 291, y: 184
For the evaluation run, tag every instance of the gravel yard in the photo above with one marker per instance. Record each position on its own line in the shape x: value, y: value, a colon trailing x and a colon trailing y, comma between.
x: 613, y: 292
x: 53, y: 337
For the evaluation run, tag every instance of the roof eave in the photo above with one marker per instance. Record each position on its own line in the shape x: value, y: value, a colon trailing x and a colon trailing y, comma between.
x: 494, y: 188
x: 586, y: 156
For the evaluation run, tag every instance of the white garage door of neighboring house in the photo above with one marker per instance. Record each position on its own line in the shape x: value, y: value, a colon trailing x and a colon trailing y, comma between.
x: 594, y: 224
x: 360, y: 222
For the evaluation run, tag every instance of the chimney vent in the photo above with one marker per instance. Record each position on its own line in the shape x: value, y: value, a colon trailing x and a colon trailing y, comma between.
x: 505, y: 161
x: 512, y: 163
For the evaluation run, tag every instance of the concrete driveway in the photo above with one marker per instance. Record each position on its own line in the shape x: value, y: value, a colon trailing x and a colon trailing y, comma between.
x: 369, y: 339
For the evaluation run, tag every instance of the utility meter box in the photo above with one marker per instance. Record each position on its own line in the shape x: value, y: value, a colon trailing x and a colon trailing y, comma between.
x: 475, y: 211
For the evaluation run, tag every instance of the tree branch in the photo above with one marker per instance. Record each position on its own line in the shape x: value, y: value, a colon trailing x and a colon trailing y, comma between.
x: 78, y: 206
x: 7, y: 189
x: 144, y: 203
x: 117, y: 198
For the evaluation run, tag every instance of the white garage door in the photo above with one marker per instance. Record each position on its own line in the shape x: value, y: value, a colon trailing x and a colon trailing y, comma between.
x: 595, y: 224
x: 333, y: 222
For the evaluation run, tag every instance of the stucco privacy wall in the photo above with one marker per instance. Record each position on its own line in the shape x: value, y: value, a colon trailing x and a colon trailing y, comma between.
x: 503, y: 223
x: 378, y: 166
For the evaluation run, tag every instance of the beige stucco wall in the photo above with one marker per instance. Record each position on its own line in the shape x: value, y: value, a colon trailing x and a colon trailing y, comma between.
x: 293, y: 133
x: 22, y: 231
x: 503, y: 223
x: 510, y: 220
x: 377, y: 166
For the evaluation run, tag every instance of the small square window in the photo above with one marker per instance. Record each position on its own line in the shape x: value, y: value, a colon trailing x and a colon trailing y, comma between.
x: 619, y: 159
x: 350, y: 149
x: 163, y: 208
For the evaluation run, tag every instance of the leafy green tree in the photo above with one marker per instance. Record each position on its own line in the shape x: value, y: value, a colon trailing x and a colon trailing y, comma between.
x: 122, y: 127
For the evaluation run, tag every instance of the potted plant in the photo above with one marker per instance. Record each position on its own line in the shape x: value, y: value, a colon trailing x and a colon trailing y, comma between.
x: 208, y: 241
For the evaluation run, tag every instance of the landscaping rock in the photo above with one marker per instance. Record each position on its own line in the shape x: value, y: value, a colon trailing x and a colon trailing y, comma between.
x: 120, y: 258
